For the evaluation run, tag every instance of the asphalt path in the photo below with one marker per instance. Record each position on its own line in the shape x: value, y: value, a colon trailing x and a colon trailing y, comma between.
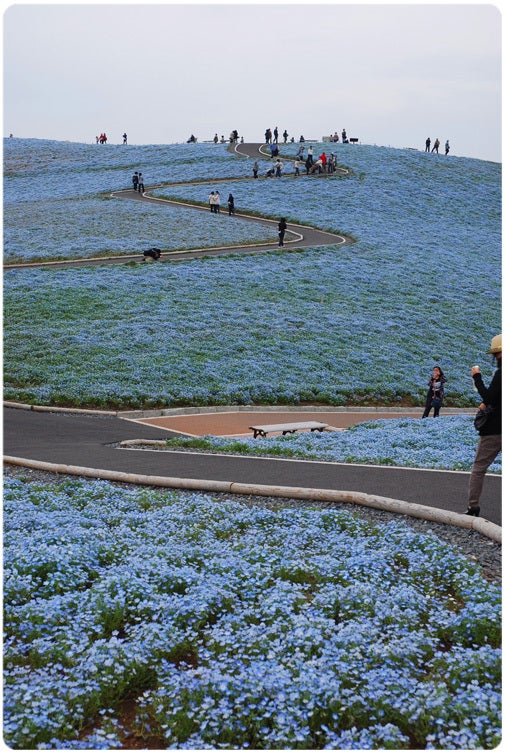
x: 91, y: 441
x: 297, y: 236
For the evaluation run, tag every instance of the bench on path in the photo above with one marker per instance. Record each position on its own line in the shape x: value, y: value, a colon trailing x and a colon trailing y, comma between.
x: 263, y: 429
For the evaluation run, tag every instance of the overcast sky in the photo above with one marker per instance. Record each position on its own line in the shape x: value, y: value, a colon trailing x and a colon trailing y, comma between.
x: 389, y: 74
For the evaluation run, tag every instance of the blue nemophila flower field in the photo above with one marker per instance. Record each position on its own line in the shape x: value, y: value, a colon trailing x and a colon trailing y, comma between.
x: 363, y: 323
x: 57, y: 201
x: 447, y: 443
x: 83, y: 228
x: 218, y: 625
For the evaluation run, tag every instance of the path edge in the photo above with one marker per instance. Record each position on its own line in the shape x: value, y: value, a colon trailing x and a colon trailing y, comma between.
x: 427, y: 513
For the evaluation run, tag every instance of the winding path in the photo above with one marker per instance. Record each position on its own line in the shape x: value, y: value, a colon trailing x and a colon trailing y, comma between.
x: 297, y: 236
x: 85, y: 443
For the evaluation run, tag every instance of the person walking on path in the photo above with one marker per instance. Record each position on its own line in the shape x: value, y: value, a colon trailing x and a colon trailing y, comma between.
x: 428, y: 144
x: 212, y: 202
x: 255, y: 168
x: 231, y: 205
x: 141, y: 183
x: 217, y: 202
x: 125, y: 138
x: 447, y: 147
x: 282, y: 230
x: 435, y: 396
x: 278, y: 168
x: 436, y: 145
x: 489, y: 444
x: 135, y: 180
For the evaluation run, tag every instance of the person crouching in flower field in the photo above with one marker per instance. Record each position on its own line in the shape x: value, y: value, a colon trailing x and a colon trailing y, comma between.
x: 490, y: 434
x: 435, y: 396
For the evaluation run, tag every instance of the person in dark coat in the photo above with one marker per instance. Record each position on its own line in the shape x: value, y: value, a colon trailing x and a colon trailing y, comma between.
x: 231, y: 205
x: 435, y: 395
x: 282, y: 230
x: 489, y: 444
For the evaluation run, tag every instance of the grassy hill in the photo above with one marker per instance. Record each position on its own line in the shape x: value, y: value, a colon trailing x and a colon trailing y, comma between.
x: 340, y: 325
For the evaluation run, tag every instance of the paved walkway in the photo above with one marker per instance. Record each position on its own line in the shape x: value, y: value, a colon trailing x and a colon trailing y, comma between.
x: 90, y: 441
x: 297, y: 236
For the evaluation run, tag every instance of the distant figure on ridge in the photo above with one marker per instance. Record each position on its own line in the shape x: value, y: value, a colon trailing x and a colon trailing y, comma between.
x: 125, y: 138
x: 436, y: 145
x: 447, y: 147
x: 427, y: 144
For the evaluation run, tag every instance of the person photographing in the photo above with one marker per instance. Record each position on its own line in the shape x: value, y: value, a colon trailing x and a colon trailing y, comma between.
x: 490, y: 433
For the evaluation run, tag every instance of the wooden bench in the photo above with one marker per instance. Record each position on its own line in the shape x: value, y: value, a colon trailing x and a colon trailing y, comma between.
x: 263, y: 429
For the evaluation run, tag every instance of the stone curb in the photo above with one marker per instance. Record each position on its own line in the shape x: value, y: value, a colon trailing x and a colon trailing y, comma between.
x: 481, y: 525
x: 190, y: 410
x: 59, y: 409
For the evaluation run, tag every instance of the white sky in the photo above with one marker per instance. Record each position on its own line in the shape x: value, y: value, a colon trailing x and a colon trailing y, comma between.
x: 389, y: 74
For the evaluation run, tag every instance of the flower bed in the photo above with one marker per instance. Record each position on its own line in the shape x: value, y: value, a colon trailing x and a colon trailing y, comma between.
x: 448, y: 443
x: 81, y: 228
x: 216, y: 626
x: 338, y: 325
x: 270, y: 329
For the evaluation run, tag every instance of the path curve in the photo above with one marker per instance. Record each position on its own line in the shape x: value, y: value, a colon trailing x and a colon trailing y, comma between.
x: 64, y: 441
x: 85, y: 443
x: 297, y: 236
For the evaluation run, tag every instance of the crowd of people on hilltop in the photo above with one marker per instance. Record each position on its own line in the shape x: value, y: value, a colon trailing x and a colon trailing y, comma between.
x: 102, y: 139
x: 436, y: 146
x: 323, y: 164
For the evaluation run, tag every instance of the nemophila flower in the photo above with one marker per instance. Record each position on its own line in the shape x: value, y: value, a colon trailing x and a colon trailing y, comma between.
x: 235, y: 627
x: 278, y: 328
x: 447, y: 443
